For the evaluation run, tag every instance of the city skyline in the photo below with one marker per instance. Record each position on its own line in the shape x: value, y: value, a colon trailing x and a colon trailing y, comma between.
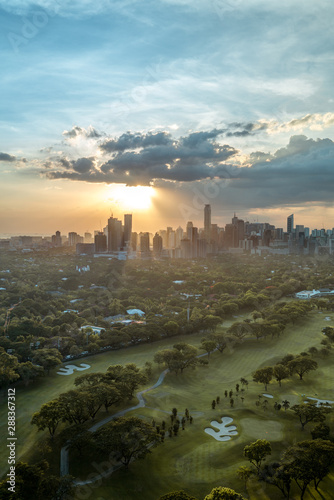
x: 165, y: 107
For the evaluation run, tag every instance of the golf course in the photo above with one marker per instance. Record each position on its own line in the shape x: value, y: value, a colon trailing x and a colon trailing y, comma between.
x: 193, y: 460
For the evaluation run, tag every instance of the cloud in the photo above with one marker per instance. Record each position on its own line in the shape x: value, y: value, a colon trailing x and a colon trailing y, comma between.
x: 7, y: 157
x: 316, y: 121
x: 130, y: 141
x: 76, y: 131
x: 137, y: 158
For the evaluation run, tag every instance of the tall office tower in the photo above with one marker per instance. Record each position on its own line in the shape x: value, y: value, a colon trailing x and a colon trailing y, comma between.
x: 157, y: 245
x: 290, y: 224
x: 56, y: 239
x: 207, y: 222
x: 145, y: 243
x: 299, y: 229
x: 235, y: 219
x: 231, y: 236
x: 279, y: 233
x: 241, y: 229
x: 114, y: 234
x: 100, y: 241
x: 163, y: 234
x: 171, y: 239
x: 127, y: 229
x: 202, y: 248
x: 169, y: 231
x: 186, y: 248
x: 178, y: 236
x: 134, y: 240
x: 88, y: 238
x: 189, y: 230
x: 73, y: 239
x: 266, y: 237
x: 194, y: 243
x: 307, y: 232
x: 214, y: 233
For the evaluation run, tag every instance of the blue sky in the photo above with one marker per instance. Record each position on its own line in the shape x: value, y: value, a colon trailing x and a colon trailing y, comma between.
x: 258, y: 72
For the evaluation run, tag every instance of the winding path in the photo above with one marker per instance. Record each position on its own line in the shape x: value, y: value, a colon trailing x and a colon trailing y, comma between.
x: 64, y: 453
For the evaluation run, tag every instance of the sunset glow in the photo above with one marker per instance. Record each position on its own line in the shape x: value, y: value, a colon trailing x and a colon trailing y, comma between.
x: 130, y: 197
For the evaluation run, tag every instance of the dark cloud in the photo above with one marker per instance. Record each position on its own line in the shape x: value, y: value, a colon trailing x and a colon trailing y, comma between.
x: 300, y: 173
x: 138, y: 158
x: 131, y: 141
x: 7, y: 157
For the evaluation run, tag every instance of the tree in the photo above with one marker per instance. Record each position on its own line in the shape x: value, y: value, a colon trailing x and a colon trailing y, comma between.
x: 244, y: 382
x: 27, y: 480
x: 126, y: 438
x: 309, y: 461
x: 222, y: 493
x: 48, y: 416
x: 320, y: 431
x: 280, y: 372
x: 8, y: 366
x: 48, y: 358
x: 221, y: 341
x: 74, y: 407
x: 263, y: 375
x: 257, y: 452
x: 208, y: 346
x: 310, y: 412
x: 177, y: 359
x: 286, y: 404
x: 244, y: 473
x: 277, y: 475
x: 302, y: 365
x: 28, y: 371
x: 171, y: 328
x: 177, y: 495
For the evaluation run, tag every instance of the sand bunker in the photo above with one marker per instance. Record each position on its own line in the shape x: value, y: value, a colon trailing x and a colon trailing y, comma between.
x: 69, y: 369
x: 224, y: 433
x: 268, y: 395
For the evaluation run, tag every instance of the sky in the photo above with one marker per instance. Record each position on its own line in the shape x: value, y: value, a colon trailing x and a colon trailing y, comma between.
x: 156, y: 108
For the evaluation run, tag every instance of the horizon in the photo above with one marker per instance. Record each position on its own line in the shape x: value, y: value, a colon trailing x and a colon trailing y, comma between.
x: 164, y: 107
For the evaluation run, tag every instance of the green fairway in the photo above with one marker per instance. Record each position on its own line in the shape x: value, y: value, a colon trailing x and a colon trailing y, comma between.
x: 194, y: 460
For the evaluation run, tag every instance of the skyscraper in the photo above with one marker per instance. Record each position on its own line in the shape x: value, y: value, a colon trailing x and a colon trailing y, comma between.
x: 290, y: 224
x: 127, y: 229
x: 157, y: 245
x: 207, y: 222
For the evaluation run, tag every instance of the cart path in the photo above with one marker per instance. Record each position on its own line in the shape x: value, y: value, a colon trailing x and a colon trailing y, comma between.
x: 64, y: 454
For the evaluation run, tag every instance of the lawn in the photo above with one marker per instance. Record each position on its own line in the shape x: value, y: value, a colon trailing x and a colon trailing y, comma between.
x: 194, y: 460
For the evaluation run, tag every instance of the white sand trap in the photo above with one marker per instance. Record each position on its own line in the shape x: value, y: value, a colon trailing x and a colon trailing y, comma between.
x: 69, y: 369
x: 319, y: 401
x: 224, y: 433
x: 268, y: 396
x: 327, y: 318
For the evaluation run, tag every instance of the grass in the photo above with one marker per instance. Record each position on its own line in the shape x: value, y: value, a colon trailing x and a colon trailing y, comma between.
x: 194, y: 461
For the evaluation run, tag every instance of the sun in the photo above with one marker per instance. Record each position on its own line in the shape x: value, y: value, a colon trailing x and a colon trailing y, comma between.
x: 130, y: 197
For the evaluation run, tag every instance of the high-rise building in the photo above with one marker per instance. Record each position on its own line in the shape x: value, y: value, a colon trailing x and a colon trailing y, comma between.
x: 178, y: 236
x: 157, y: 244
x: 186, y: 248
x: 56, y: 239
x: 114, y: 234
x: 290, y: 224
x: 127, y: 229
x: 145, y: 243
x: 189, y: 230
x: 100, y: 241
x: 73, y: 239
x: 194, y: 243
x: 207, y: 222
x: 88, y: 238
